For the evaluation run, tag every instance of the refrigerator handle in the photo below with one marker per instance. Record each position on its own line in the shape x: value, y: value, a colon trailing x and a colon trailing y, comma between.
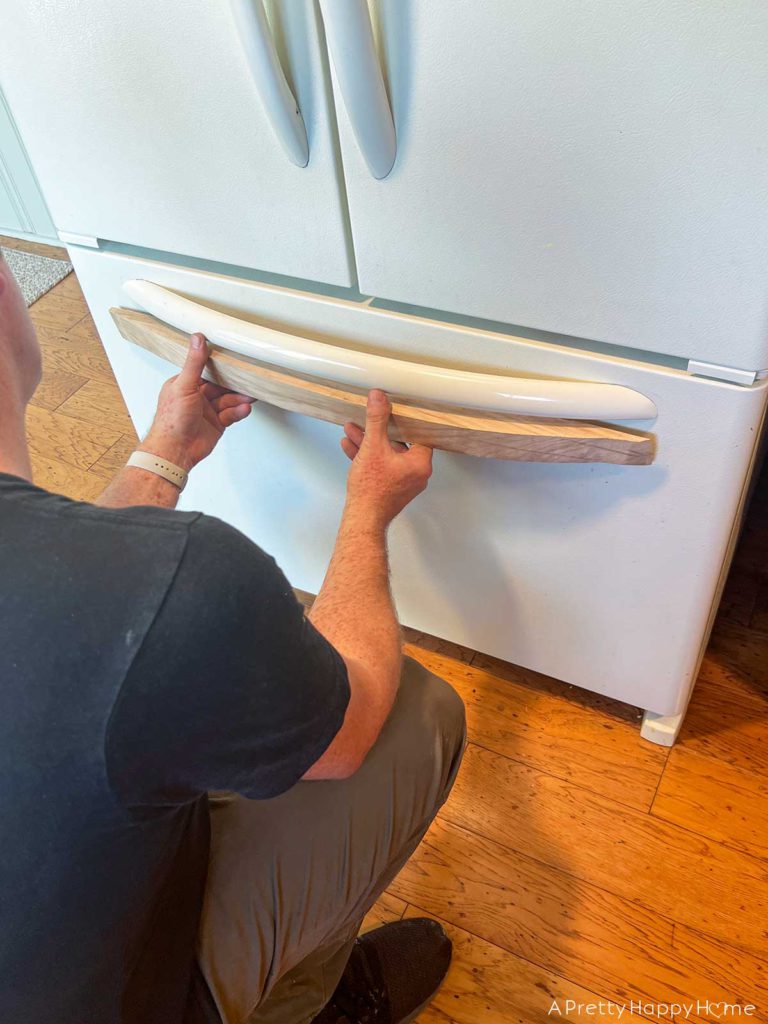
x: 279, y: 103
x: 353, y: 52
x: 526, y: 396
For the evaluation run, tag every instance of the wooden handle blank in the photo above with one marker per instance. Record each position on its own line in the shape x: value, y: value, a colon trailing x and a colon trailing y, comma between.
x: 489, y: 435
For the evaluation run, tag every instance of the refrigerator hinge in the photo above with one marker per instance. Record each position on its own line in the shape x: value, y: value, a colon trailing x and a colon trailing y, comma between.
x: 730, y: 373
x: 70, y: 238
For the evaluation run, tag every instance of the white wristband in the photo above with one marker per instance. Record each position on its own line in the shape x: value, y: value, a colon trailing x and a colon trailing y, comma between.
x: 163, y: 468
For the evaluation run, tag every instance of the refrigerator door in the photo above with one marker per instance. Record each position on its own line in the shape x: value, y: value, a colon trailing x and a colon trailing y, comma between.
x: 168, y: 126
x: 592, y: 168
x: 601, y: 575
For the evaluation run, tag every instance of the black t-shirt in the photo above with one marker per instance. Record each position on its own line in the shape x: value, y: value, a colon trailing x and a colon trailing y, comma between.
x: 146, y: 656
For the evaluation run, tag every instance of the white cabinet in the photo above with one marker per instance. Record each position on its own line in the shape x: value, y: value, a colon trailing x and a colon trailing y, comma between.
x: 596, y: 169
x: 145, y: 127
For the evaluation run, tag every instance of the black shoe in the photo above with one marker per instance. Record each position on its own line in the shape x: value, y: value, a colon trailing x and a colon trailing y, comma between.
x: 391, y: 976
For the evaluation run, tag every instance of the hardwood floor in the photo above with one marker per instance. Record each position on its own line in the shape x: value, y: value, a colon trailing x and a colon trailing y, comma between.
x: 573, y: 861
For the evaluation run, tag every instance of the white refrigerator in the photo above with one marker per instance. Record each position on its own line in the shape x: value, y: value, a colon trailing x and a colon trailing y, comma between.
x: 548, y: 190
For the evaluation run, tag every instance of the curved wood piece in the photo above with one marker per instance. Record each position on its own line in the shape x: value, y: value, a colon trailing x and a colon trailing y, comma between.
x: 453, y: 429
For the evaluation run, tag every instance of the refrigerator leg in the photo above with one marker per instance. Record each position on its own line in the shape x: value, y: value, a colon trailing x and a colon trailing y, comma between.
x: 661, y: 729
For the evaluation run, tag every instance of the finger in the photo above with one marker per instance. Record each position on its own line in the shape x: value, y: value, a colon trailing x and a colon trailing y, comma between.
x: 214, y: 391
x: 354, y: 433
x: 398, y: 446
x: 230, y: 400
x: 194, y: 364
x: 422, y: 454
x: 377, y: 413
x: 234, y: 415
x: 349, y: 448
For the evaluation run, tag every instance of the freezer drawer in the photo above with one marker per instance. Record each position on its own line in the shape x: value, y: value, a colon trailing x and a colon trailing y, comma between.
x: 600, y: 575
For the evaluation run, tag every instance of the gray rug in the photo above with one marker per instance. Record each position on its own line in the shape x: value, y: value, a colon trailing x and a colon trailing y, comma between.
x: 36, y: 274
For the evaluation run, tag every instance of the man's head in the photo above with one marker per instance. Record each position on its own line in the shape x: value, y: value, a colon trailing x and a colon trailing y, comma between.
x: 20, y: 364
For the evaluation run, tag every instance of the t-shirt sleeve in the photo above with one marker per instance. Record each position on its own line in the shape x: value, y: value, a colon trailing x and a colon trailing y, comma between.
x: 232, y: 688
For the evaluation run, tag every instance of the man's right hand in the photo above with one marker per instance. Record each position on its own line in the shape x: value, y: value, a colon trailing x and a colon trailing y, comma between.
x: 385, y: 475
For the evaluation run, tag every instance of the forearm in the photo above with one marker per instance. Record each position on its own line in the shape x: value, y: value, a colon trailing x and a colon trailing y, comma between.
x: 354, y: 609
x: 133, y: 486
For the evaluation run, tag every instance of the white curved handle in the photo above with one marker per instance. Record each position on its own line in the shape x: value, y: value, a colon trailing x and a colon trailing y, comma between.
x: 356, y: 63
x: 279, y: 103
x: 490, y: 391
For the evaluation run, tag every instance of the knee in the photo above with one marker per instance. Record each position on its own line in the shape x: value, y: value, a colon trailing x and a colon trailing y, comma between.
x: 440, y: 706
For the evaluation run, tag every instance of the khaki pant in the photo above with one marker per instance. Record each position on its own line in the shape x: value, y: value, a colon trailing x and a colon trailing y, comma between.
x: 290, y: 879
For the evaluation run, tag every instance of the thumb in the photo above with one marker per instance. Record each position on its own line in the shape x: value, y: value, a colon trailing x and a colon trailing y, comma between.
x: 377, y: 414
x: 194, y: 364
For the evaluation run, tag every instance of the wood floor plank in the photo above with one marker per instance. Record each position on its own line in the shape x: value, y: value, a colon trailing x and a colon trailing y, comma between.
x: 715, y: 800
x: 387, y: 908
x: 427, y: 642
x: 739, y: 656
x: 698, y: 882
x: 98, y: 402
x: 759, y: 619
x: 56, y: 310
x: 731, y: 729
x: 70, y: 287
x: 56, y: 387
x: 489, y: 985
x: 52, y: 435
x: 113, y: 460
x: 63, y: 354
x: 84, y: 328
x: 729, y: 970
x: 739, y: 596
x: 556, y: 688
x: 577, y: 931
x: 574, y: 743
x: 62, y: 478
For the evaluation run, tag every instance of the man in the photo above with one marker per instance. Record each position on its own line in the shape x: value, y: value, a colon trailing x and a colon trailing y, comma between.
x: 162, y: 696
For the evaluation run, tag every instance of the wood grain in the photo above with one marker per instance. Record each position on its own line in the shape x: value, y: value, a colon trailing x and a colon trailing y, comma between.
x: 489, y: 985
x: 715, y: 800
x: 613, y: 709
x: 99, y: 402
x: 729, y: 727
x: 56, y: 310
x: 576, y: 930
x: 576, y: 744
x: 85, y: 328
x: 727, y: 969
x: 52, y: 435
x: 386, y: 909
x: 426, y: 642
x: 64, y: 353
x: 740, y: 658
x: 758, y: 620
x: 115, y: 458
x: 489, y: 435
x: 630, y: 854
x: 56, y: 387
x: 62, y: 478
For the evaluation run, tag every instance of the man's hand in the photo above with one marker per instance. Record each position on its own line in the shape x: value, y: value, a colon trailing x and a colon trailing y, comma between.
x: 385, y: 475
x: 192, y: 414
